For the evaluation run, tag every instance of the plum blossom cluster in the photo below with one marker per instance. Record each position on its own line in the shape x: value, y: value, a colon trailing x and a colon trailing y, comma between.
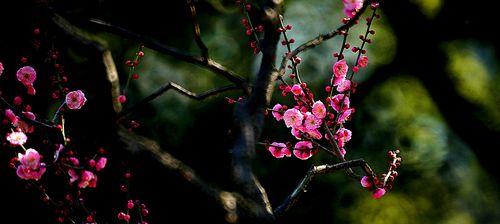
x: 24, y: 133
x: 314, y: 121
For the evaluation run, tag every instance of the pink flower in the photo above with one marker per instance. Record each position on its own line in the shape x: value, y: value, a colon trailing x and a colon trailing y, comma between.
x: 297, y: 90
x: 314, y: 134
x: 343, y: 152
x: 73, y: 176
x: 345, y: 115
x: 312, y: 122
x: 88, y: 179
x: 336, y: 102
x: 75, y: 161
x: 101, y: 163
x: 1, y: 68
x: 319, y: 110
x: 342, y: 136
x: 30, y: 167
x: 293, y: 118
x: 366, y: 182
x: 279, y: 150
x: 296, y: 133
x: 340, y: 69
x: 353, y: 4
x: 75, y: 99
x: 344, y: 85
x: 276, y: 114
x: 26, y: 75
x: 378, y: 193
x: 363, y: 61
x: 17, y: 138
x: 303, y: 150
x: 351, y: 7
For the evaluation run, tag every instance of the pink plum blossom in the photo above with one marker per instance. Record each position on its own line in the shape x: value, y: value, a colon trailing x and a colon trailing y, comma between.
x: 351, y: 7
x: 75, y: 99
x: 312, y: 122
x: 366, y: 182
x: 296, y: 133
x: 319, y: 110
x: 30, y: 168
x: 279, y: 150
x: 303, y: 150
x: 344, y: 85
x: 276, y: 114
x: 17, y: 138
x: 1, y: 68
x: 293, y: 117
x: 343, y: 152
x: 378, y: 193
x: 340, y: 69
x: 73, y: 176
x: 87, y: 179
x: 297, y: 90
x: 26, y: 75
x: 314, y: 134
x: 336, y: 102
x: 101, y: 163
x: 345, y: 115
x: 363, y: 61
x: 342, y: 136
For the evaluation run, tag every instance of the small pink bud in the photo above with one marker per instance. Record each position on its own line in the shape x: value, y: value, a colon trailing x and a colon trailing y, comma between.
x: 378, y: 193
x: 122, y: 98
x: 365, y: 182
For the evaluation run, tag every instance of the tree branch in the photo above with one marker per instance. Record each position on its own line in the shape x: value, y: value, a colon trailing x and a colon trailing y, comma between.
x: 174, y: 52
x: 196, y: 30
x: 229, y: 201
x: 24, y: 118
x: 178, y: 88
x: 316, y: 170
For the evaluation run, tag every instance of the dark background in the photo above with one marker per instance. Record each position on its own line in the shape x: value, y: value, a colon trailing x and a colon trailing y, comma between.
x: 431, y: 89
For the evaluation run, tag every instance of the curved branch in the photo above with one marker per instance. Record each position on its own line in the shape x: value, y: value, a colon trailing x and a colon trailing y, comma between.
x: 178, y: 88
x: 316, y: 170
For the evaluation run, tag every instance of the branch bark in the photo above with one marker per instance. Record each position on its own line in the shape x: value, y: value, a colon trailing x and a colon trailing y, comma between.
x: 174, y: 52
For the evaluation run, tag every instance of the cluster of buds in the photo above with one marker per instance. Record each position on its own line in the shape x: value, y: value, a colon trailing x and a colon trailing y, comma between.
x: 134, y: 205
x: 250, y: 28
x: 383, y: 184
x: 132, y: 65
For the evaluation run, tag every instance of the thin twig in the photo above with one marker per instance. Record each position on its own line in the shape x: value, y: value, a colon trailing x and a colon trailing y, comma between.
x: 24, y: 118
x: 178, y: 88
x: 196, y: 30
